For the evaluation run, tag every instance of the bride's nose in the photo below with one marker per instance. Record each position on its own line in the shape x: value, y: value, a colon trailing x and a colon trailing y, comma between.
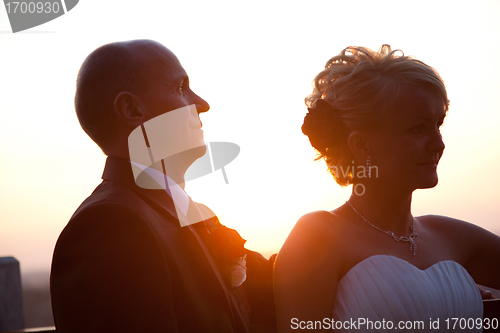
x: 436, y: 143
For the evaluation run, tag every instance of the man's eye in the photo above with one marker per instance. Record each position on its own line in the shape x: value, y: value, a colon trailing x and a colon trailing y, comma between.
x: 181, y: 89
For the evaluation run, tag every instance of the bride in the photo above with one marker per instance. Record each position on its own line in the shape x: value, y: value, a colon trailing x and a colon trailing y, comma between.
x: 370, y: 265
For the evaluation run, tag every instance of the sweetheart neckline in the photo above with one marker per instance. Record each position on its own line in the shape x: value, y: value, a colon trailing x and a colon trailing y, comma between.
x: 391, y: 288
x: 399, y: 259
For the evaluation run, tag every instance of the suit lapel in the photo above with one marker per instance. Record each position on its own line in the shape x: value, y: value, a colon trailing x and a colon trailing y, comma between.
x: 120, y: 171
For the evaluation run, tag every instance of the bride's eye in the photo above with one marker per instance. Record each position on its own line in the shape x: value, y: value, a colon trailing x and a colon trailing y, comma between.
x: 417, y: 129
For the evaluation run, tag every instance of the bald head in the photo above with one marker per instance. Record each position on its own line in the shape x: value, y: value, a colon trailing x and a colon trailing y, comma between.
x: 130, y: 66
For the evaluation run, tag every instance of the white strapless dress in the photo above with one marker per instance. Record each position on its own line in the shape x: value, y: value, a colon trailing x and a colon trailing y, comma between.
x: 385, y: 288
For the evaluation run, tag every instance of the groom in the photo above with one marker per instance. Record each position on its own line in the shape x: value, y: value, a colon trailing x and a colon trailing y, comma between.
x: 139, y: 255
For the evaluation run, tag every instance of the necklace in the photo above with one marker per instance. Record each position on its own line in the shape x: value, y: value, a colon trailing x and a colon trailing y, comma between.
x: 410, y: 239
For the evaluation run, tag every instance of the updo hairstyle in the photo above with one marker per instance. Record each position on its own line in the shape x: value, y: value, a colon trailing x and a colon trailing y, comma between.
x: 354, y: 92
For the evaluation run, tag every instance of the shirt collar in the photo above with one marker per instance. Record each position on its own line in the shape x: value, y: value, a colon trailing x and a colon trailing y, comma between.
x: 172, y: 198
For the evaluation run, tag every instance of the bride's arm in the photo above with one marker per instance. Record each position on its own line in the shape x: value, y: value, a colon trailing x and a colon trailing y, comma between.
x: 306, y: 272
x: 484, y: 262
x: 480, y: 249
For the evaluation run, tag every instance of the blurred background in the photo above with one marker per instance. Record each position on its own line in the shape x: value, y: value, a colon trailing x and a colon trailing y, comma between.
x: 253, y: 62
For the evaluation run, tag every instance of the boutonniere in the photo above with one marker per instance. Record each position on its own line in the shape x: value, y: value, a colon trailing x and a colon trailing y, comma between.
x: 229, y: 255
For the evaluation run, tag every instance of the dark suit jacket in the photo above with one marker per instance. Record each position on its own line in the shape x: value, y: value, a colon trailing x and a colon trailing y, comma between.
x: 124, y: 264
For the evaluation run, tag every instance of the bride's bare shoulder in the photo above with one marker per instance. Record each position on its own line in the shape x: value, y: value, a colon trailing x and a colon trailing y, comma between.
x: 314, y: 228
x: 445, y: 222
x: 312, y: 242
x: 317, y: 217
x: 319, y: 220
x: 454, y: 228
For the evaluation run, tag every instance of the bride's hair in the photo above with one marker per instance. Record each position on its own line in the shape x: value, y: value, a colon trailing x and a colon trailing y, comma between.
x: 355, y: 91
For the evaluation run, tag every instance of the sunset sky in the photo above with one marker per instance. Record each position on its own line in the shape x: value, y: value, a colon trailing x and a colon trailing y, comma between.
x: 253, y: 62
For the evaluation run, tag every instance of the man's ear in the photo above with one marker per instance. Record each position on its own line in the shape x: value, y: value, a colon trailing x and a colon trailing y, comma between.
x: 358, y: 145
x: 129, y: 108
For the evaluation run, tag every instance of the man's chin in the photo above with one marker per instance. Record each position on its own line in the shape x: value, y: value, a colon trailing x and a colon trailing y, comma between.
x: 201, y: 150
x: 187, y: 157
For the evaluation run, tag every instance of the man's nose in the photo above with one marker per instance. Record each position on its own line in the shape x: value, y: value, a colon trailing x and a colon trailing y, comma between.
x: 201, y: 104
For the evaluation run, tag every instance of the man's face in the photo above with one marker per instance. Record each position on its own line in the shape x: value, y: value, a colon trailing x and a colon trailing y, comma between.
x: 170, y: 137
x: 167, y: 86
x: 167, y: 89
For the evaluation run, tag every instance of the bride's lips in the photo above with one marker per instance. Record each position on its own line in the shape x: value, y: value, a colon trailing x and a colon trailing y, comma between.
x: 429, y: 164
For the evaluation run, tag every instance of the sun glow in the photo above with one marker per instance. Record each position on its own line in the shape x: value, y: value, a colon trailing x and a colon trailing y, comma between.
x: 253, y: 63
